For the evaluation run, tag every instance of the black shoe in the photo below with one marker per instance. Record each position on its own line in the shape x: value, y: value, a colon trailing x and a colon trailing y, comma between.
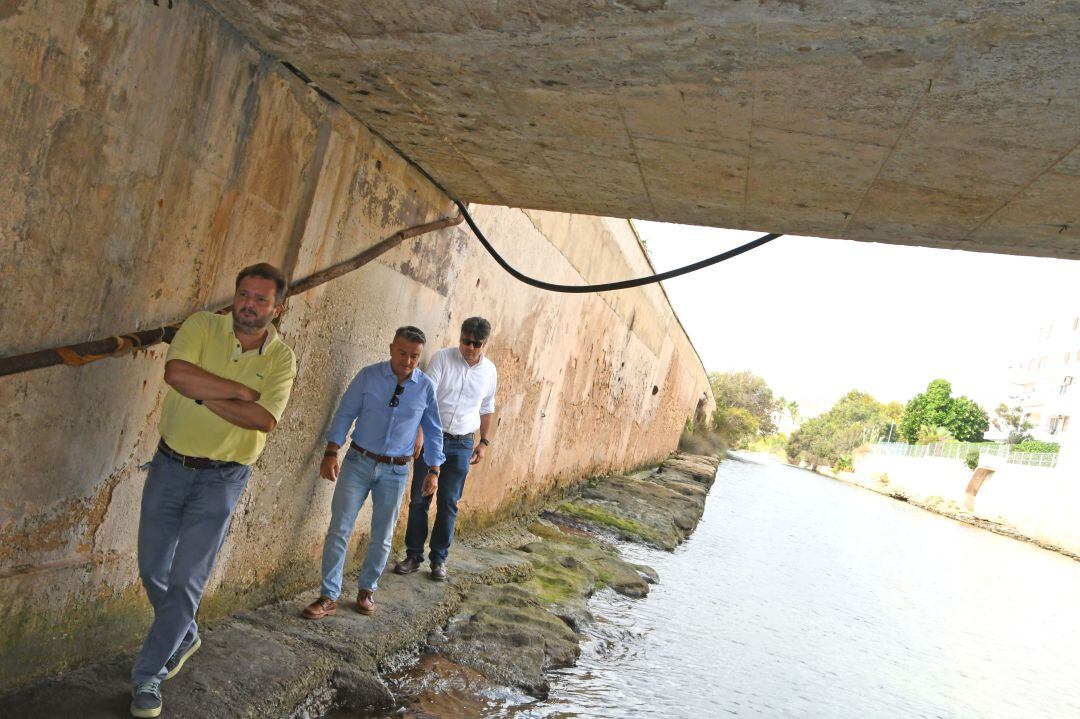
x: 181, y: 655
x: 408, y: 565
x: 438, y: 572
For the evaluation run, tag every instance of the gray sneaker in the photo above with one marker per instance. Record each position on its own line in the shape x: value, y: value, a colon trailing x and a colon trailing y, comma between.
x: 146, y: 699
x: 181, y: 655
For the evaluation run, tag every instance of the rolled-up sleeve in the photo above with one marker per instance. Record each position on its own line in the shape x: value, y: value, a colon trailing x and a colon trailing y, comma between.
x: 487, y: 404
x: 433, y: 439
x: 352, y: 402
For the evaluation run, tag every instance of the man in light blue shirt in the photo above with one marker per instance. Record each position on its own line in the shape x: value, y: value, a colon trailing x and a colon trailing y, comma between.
x: 389, y: 402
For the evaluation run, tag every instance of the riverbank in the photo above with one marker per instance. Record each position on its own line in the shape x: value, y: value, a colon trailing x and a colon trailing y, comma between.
x: 936, y: 504
x: 508, y: 612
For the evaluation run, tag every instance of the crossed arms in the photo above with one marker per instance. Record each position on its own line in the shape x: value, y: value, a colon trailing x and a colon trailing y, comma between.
x: 232, y: 401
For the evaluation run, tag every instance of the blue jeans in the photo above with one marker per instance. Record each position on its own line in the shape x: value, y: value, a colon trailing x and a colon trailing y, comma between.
x: 182, y: 523
x: 451, y: 483
x: 359, y: 477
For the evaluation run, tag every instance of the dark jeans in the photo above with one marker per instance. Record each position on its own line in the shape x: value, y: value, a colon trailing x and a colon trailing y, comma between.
x: 451, y: 482
x: 185, y: 514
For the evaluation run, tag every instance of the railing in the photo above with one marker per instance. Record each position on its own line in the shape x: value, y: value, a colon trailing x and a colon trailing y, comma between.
x: 959, y: 450
x: 1033, y: 459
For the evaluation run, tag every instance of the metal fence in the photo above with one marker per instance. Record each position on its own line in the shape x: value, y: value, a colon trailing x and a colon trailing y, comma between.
x: 959, y: 450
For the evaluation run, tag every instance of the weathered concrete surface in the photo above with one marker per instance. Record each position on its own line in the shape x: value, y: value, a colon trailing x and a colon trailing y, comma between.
x: 147, y: 155
x: 267, y: 662
x: 940, y: 124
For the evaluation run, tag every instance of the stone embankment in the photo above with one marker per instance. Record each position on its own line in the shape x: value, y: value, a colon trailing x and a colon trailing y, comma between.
x: 881, y: 483
x: 946, y: 508
x: 511, y: 610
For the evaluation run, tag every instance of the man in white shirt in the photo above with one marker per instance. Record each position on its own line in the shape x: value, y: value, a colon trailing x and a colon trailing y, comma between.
x: 465, y: 389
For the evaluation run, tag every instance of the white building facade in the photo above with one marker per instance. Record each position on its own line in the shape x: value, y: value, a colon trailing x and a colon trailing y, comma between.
x: 1045, y: 380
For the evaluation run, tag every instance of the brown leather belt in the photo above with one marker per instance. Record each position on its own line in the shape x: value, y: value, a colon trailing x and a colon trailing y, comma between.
x: 380, y: 457
x: 194, y: 462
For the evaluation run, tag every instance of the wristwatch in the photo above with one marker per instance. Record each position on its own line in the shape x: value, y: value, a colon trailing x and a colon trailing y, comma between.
x: 432, y: 470
x: 484, y: 441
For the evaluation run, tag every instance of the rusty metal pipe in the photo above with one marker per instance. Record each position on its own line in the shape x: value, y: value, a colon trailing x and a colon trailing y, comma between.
x: 85, y: 352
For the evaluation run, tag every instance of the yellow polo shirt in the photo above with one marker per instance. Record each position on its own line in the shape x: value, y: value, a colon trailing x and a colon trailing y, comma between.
x: 207, y: 340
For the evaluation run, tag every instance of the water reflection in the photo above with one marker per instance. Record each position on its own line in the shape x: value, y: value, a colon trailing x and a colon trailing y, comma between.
x: 801, y: 596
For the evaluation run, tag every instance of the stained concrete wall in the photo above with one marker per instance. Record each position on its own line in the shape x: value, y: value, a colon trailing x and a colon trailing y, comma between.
x: 944, y: 124
x: 146, y: 156
x: 1040, y: 502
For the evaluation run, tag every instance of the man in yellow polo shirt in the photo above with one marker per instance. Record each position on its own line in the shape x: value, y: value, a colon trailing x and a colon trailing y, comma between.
x: 229, y: 380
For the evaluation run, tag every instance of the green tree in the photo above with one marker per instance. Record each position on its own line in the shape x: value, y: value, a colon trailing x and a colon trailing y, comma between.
x: 936, y: 408
x: 1012, y: 420
x: 735, y: 426
x: 747, y: 391
x: 855, y: 419
x: 966, y: 420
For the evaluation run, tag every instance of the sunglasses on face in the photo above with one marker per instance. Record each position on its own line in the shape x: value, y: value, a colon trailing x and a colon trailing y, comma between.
x: 397, y: 394
x: 472, y: 343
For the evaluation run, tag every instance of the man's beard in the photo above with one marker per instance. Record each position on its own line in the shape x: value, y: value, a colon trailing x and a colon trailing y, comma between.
x: 250, y: 323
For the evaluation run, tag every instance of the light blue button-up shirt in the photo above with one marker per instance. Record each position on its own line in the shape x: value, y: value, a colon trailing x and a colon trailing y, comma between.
x: 383, y: 429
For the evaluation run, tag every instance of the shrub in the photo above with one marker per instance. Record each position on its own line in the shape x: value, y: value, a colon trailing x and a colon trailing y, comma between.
x: 844, y: 464
x: 1034, y: 445
x: 702, y: 442
x: 929, y: 434
x: 971, y: 459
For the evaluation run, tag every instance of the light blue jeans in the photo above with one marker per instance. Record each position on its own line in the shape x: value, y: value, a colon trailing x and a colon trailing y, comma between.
x: 359, y: 477
x: 182, y: 523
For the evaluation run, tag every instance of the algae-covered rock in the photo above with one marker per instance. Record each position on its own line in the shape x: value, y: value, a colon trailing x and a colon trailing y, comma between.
x: 506, y: 633
x: 660, y: 508
x: 511, y: 634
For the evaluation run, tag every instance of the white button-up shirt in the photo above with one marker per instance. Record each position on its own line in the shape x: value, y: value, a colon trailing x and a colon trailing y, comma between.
x: 464, y: 391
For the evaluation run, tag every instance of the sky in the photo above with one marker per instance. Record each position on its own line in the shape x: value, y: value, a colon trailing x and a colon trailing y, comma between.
x: 816, y: 318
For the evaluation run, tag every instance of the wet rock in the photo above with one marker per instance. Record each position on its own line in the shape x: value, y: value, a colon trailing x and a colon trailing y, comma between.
x: 360, y: 692
x: 508, y: 635
x: 700, y: 468
x: 647, y: 573
x: 512, y: 634
x: 660, y: 508
x: 577, y: 618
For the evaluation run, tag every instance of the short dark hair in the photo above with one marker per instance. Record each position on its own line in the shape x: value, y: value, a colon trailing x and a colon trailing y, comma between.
x: 410, y: 334
x: 266, y: 271
x: 476, y: 327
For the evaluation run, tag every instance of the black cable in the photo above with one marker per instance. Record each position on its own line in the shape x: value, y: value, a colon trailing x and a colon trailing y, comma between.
x: 622, y: 284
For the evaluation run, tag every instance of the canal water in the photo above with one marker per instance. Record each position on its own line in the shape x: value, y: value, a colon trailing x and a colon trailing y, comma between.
x: 801, y: 596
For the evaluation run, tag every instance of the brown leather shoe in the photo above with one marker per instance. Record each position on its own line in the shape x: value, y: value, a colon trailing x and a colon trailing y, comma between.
x: 322, y: 607
x: 408, y: 565
x: 438, y: 572
x: 365, y: 602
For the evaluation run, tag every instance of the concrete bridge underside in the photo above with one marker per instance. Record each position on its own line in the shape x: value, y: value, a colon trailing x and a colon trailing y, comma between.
x: 940, y: 124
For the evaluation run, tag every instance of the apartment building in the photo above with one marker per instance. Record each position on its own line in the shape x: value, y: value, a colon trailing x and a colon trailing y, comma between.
x: 1042, y: 380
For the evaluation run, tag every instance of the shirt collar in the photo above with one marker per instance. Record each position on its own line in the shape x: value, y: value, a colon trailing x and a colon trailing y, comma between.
x: 465, y: 361
x: 270, y: 339
x: 388, y: 372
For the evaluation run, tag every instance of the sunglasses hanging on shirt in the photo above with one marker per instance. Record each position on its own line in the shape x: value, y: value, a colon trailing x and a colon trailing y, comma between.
x: 397, y: 393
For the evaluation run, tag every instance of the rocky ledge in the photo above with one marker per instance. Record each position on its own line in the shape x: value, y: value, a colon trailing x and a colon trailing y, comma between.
x: 512, y: 634
x: 511, y: 610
